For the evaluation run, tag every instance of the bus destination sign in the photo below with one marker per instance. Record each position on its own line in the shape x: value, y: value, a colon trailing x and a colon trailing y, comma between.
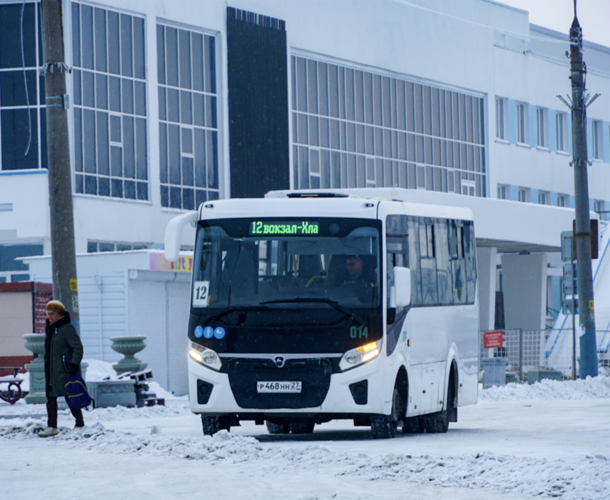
x: 294, y: 228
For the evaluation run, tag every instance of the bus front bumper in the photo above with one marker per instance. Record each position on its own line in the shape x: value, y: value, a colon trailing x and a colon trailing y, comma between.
x: 211, y: 394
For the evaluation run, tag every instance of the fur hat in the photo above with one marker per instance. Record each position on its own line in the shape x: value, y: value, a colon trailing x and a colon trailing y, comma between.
x: 56, y: 306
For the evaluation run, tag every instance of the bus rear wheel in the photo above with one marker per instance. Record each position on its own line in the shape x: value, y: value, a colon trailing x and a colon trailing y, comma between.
x: 412, y: 425
x: 437, y: 425
x: 440, y: 424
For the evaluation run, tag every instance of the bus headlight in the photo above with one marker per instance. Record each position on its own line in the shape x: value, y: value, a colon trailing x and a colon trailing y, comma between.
x: 360, y: 355
x: 205, y: 356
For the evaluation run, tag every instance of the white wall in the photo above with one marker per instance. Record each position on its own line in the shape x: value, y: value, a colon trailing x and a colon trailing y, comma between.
x: 486, y: 272
x: 178, y: 309
x: 159, y: 309
x: 16, y: 314
x: 524, y: 286
x: 148, y: 317
x: 24, y: 214
x: 103, y: 301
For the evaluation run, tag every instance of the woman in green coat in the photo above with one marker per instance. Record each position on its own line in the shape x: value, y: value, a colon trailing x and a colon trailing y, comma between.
x: 63, y: 352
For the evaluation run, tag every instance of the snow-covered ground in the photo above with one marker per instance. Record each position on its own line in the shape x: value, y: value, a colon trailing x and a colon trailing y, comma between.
x: 547, y: 440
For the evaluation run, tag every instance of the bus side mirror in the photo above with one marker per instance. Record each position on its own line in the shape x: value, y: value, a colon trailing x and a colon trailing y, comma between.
x: 402, y: 286
x: 173, y: 234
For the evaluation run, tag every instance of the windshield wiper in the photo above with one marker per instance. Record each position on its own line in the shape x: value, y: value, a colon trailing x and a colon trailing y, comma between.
x: 321, y: 300
x: 230, y: 309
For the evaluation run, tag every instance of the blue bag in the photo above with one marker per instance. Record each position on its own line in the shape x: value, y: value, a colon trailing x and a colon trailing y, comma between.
x: 78, y: 397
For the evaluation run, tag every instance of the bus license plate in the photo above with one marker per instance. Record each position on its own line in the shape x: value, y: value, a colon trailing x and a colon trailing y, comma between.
x: 279, y: 387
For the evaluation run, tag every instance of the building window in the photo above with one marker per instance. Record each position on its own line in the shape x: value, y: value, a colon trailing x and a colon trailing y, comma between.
x: 109, y: 78
x: 468, y: 187
x: 598, y: 140
x: 23, y: 137
x: 522, y: 123
x: 110, y: 246
x: 188, y: 125
x: 11, y: 267
x: 501, y: 119
x: 544, y: 198
x: 561, y: 122
x: 524, y: 195
x: 503, y: 192
x: 542, y: 129
x: 599, y: 206
x: 563, y: 200
x: 356, y: 128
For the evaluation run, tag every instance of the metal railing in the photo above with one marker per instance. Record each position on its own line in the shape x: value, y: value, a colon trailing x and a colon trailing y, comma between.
x: 526, y: 350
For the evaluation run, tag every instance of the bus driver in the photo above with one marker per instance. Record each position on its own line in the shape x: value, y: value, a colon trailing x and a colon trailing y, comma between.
x: 361, y: 277
x: 354, y: 264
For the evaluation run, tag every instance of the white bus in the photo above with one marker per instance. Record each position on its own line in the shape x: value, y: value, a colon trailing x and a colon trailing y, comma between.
x: 308, y: 307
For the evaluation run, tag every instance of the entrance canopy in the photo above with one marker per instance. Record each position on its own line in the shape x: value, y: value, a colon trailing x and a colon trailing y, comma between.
x: 509, y: 226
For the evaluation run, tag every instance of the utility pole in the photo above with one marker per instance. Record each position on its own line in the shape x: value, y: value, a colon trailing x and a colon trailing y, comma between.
x: 582, y: 234
x: 63, y: 255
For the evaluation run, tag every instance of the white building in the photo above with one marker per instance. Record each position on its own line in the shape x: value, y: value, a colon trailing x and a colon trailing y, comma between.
x: 176, y: 102
x: 133, y: 293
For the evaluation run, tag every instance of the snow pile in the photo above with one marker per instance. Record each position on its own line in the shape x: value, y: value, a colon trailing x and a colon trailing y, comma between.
x: 575, y: 479
x: 155, y: 388
x: 568, y: 479
x: 221, y: 447
x: 589, y: 388
x: 101, y: 370
x: 312, y: 458
x: 122, y: 413
x: 98, y: 370
x: 25, y: 385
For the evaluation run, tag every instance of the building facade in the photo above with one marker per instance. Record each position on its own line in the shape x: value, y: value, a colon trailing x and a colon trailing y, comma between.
x: 175, y: 103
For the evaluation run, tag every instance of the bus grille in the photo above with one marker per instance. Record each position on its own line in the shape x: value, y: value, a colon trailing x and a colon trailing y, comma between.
x: 313, y: 373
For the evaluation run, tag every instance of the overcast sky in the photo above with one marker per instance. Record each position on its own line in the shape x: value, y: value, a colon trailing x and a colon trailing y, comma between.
x: 594, y: 16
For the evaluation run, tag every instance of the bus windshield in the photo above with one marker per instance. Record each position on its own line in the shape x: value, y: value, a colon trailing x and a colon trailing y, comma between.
x: 271, y: 263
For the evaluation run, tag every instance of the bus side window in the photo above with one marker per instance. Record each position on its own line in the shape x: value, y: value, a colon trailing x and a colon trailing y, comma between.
x: 457, y: 263
x: 428, y: 262
x: 452, y: 240
x: 470, y: 258
x: 413, y: 253
x: 456, y: 240
x: 395, y: 257
x: 443, y: 264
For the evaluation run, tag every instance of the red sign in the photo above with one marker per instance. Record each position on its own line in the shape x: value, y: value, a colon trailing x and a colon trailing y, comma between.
x: 492, y: 340
x: 42, y: 294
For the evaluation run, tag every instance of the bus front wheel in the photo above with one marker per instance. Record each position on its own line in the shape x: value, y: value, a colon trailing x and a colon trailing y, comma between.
x: 384, y: 426
x: 274, y: 428
x: 211, y: 425
x: 302, y: 427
